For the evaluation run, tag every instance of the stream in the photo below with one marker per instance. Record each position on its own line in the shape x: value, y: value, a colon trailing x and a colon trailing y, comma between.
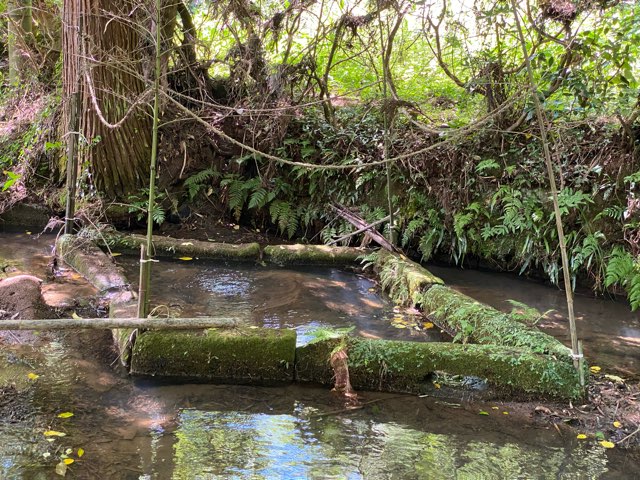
x: 144, y: 429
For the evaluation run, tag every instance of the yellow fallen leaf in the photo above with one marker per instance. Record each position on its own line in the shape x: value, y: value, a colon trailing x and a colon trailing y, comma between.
x: 28, y: 233
x: 595, y: 369
x: 32, y: 376
x: 53, y: 433
x: 399, y: 325
x: 607, y: 444
x: 184, y: 244
x: 68, y: 451
x: 614, y: 378
x: 68, y: 461
x: 115, y: 254
x: 80, y: 452
x: 505, y: 413
x: 495, y: 408
x: 65, y: 415
x: 61, y: 469
x: 581, y: 436
x: 436, y: 384
x: 427, y: 325
x: 186, y: 259
x: 75, y: 316
x: 617, y: 424
x: 236, y: 227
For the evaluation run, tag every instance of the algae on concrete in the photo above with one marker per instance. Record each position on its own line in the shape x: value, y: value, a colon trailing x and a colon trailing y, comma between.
x: 403, y: 279
x: 481, y: 323
x: 175, y: 247
x: 398, y: 366
x: 238, y: 355
x: 312, y: 255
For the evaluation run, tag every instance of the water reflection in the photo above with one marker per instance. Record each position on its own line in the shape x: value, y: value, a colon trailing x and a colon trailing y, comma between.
x: 301, y: 298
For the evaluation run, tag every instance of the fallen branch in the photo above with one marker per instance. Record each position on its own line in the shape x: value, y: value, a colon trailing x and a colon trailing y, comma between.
x: 360, y: 230
x: 359, y: 222
x: 102, y: 323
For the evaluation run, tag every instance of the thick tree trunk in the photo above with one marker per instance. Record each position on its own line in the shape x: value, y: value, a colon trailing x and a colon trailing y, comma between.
x: 19, y: 33
x: 104, y: 50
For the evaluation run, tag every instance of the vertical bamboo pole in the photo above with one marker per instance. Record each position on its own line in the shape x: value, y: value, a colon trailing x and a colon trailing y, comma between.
x: 72, y: 162
x: 566, y: 273
x: 146, y: 253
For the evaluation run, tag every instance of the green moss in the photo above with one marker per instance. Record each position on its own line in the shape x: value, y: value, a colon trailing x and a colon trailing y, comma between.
x: 479, y: 323
x: 406, y: 366
x: 311, y: 255
x: 173, y: 247
x: 90, y: 262
x: 403, y: 279
x: 242, y: 355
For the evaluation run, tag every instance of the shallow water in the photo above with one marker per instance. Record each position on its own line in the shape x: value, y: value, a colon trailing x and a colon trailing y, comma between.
x: 305, y: 298
x: 609, y: 329
x: 140, y: 429
x: 146, y: 430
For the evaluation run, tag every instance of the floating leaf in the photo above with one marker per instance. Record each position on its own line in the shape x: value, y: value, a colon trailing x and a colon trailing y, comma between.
x: 80, y: 452
x: 236, y: 227
x: 75, y: 316
x: 61, y: 469
x: 68, y: 451
x: 482, y: 412
x: 607, y: 444
x: 53, y: 433
x: 399, y: 325
x: 184, y: 244
x: 46, y: 454
x: 28, y: 233
x: 68, y: 461
x: 599, y: 435
x: 505, y: 413
x: 617, y: 424
x: 186, y: 259
x: 581, y: 436
x: 65, y: 415
x: 115, y: 254
x: 595, y: 369
x: 495, y: 408
x: 32, y: 376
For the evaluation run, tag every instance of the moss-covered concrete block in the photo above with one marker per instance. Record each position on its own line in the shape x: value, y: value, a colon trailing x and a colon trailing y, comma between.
x: 92, y: 263
x: 398, y: 366
x: 480, y: 323
x: 312, y: 255
x: 26, y: 215
x: 239, y: 355
x: 403, y: 279
x: 172, y: 247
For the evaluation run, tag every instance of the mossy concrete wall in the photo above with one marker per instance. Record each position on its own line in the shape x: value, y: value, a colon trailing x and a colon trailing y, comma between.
x: 399, y: 366
x: 239, y: 355
x: 165, y: 246
x: 312, y: 255
x: 507, y: 353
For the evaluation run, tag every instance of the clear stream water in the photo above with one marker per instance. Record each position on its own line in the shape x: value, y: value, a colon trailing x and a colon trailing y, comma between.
x: 141, y: 429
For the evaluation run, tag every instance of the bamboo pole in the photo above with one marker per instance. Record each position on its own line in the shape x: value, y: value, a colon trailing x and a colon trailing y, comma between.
x: 566, y: 273
x: 104, y: 323
x: 145, y: 262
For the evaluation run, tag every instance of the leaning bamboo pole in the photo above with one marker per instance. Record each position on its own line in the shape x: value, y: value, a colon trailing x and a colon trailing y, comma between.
x: 566, y: 273
x: 105, y: 323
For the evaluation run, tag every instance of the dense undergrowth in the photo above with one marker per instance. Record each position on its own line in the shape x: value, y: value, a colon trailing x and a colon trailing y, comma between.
x: 336, y: 88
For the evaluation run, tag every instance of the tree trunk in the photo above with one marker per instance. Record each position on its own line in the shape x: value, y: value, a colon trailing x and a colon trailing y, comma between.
x: 19, y: 33
x: 102, y: 46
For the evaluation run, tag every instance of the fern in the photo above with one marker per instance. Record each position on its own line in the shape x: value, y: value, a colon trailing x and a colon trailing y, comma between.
x: 196, y: 182
x: 284, y: 216
x: 619, y: 269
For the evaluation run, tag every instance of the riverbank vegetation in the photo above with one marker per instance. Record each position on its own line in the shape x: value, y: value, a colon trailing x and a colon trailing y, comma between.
x: 273, y: 112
